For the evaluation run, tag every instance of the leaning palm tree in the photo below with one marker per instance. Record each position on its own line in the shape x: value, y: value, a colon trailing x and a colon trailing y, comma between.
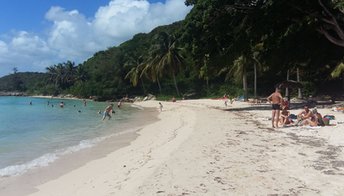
x: 167, y: 58
x: 135, y: 74
x: 148, y: 70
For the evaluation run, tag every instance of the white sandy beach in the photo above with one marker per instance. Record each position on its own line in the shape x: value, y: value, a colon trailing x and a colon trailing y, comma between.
x: 201, y: 147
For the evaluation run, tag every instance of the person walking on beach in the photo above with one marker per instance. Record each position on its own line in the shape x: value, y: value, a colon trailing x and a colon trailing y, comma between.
x: 160, y: 106
x: 119, y: 104
x: 108, y: 111
x: 276, y: 100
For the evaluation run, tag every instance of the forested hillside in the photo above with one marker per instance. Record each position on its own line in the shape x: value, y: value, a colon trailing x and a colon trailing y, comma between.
x: 223, y: 46
x: 26, y: 82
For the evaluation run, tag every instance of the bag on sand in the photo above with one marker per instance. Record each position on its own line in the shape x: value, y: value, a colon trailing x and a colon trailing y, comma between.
x: 326, y: 121
x: 330, y: 117
x: 293, y: 116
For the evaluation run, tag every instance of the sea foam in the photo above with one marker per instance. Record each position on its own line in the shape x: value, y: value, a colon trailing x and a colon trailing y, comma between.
x: 47, y: 159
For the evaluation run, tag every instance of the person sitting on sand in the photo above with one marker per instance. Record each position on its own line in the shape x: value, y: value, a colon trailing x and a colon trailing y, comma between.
x: 108, y: 111
x: 285, y: 119
x: 317, y: 118
x: 276, y: 99
x: 305, y: 117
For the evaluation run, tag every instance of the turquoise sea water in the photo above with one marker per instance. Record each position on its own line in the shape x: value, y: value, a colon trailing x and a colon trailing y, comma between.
x: 35, y: 135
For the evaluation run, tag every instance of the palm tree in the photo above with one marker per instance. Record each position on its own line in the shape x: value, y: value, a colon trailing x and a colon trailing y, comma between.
x: 256, y: 50
x: 203, y: 72
x: 63, y: 74
x: 167, y: 58
x: 150, y: 72
x: 238, y: 70
x: 52, y: 71
x: 81, y: 74
x: 135, y: 73
x: 69, y: 73
x: 339, y: 71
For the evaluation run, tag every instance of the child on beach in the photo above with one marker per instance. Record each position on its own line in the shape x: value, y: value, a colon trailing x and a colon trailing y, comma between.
x: 161, y: 106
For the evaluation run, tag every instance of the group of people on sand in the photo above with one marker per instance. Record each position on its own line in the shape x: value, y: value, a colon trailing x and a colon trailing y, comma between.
x: 282, y: 117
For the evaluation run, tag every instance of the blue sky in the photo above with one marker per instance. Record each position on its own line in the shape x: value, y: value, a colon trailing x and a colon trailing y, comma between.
x: 35, y: 34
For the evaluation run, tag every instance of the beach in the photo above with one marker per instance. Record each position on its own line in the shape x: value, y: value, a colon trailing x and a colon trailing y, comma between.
x: 202, y: 147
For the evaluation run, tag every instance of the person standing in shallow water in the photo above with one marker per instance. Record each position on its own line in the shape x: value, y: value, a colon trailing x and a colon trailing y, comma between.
x: 276, y: 100
x: 108, y: 111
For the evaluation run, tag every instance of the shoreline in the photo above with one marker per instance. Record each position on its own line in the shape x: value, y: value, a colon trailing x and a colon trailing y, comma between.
x: 201, y: 147
x: 58, y: 97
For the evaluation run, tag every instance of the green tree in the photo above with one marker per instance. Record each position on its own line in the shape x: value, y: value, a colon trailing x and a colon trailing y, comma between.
x: 167, y: 58
x: 134, y: 75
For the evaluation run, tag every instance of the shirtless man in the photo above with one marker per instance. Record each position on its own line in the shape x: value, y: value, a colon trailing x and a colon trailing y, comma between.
x: 276, y: 100
x: 108, y: 111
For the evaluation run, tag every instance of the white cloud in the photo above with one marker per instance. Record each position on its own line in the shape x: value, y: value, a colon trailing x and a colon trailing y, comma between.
x: 26, y: 51
x: 74, y: 37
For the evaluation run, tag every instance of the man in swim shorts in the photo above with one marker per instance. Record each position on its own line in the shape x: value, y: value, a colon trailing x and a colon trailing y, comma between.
x: 276, y: 100
x: 108, y: 111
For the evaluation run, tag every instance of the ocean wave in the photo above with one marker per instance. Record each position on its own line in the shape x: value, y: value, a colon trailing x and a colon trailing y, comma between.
x: 137, y: 106
x: 47, y: 159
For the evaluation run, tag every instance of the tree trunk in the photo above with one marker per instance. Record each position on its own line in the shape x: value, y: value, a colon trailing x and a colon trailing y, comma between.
x: 343, y: 80
x: 287, y: 89
x: 157, y: 80
x: 299, y: 95
x: 255, y: 80
x: 175, y: 83
x: 143, y: 86
x: 244, y: 82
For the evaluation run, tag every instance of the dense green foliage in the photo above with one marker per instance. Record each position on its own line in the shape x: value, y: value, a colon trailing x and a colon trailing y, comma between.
x: 27, y: 81
x: 236, y: 47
